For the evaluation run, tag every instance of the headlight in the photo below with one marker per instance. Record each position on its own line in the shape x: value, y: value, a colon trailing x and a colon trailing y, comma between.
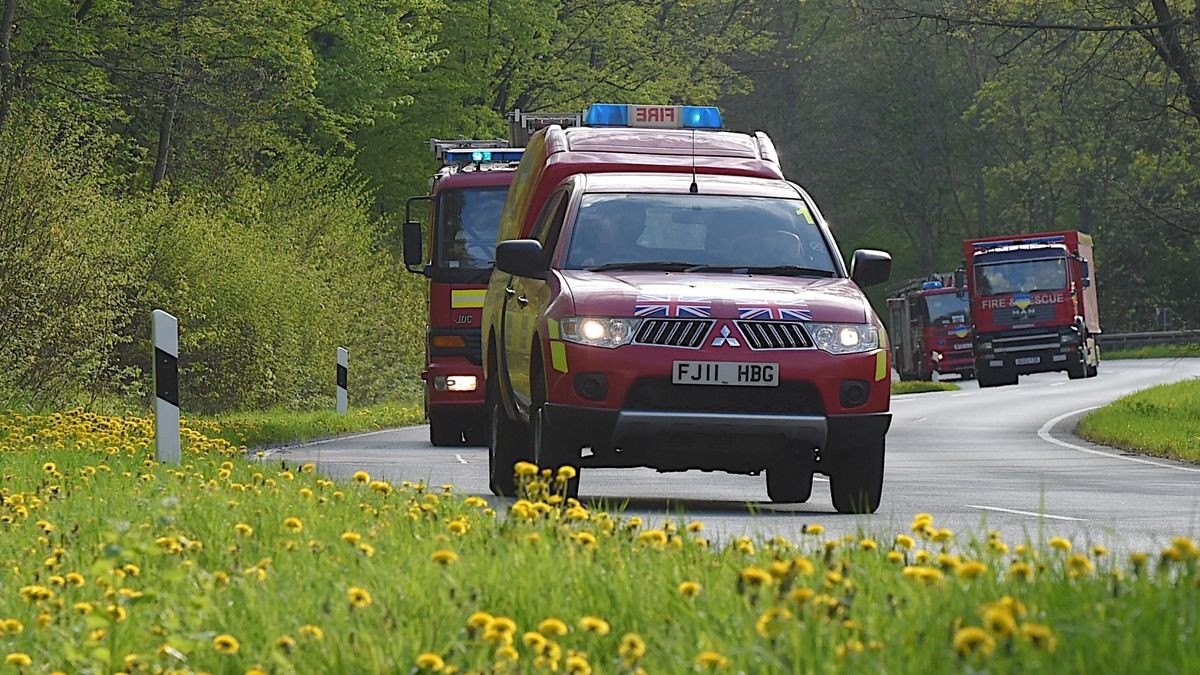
x: 844, y: 338
x: 598, y: 331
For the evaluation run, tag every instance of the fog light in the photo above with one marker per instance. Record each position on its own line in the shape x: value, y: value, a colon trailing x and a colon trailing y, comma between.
x: 455, y: 383
x: 854, y: 393
x: 592, y: 386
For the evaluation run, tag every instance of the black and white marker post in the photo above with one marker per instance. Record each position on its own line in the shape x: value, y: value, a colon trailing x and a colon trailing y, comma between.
x: 166, y: 386
x: 343, y: 362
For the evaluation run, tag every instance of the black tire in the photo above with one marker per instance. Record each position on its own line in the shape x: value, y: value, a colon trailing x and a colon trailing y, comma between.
x: 552, y: 448
x: 857, y: 485
x: 1078, y: 370
x: 444, y: 432
x: 1093, y: 370
x: 789, y: 482
x: 508, y: 445
x: 995, y: 378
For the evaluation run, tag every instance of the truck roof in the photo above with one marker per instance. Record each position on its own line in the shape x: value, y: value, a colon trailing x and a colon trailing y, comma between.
x: 499, y: 175
x: 662, y: 142
x: 680, y: 183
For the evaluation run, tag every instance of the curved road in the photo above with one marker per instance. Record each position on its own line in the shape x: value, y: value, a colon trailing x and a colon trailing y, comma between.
x: 1001, y: 458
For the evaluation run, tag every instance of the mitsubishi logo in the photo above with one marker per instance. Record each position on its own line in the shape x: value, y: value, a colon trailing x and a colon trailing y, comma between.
x: 725, y: 338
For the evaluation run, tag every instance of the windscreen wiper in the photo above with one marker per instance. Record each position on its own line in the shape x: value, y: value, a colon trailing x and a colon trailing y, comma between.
x: 783, y: 270
x: 665, y: 265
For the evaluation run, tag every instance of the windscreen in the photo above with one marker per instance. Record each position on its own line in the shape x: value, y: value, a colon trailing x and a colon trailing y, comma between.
x: 467, y: 223
x: 944, y: 309
x: 1021, y: 276
x: 713, y: 231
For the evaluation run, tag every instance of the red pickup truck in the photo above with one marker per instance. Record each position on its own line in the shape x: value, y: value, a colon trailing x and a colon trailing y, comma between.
x: 664, y: 298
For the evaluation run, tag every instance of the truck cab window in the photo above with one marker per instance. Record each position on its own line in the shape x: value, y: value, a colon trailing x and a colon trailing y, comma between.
x: 468, y: 219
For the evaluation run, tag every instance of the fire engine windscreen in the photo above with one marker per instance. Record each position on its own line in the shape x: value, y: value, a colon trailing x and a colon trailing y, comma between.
x: 468, y: 220
x: 943, y: 309
x: 1021, y: 276
x: 719, y: 233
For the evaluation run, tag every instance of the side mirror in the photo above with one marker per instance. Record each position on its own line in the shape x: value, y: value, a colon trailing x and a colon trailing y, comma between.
x: 413, y: 255
x: 1085, y: 271
x: 521, y: 257
x: 868, y: 267
x: 960, y: 282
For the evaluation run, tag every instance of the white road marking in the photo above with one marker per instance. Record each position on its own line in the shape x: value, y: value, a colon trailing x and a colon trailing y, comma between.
x: 1023, y: 513
x: 959, y: 395
x: 920, y: 419
x: 1044, y: 434
x: 460, y: 458
x: 268, y: 453
x: 1058, y: 384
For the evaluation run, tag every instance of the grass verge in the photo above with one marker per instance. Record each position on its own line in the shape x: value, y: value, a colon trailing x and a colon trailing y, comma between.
x: 918, y: 387
x: 1162, y: 420
x: 1153, y: 352
x: 273, y: 427
x: 113, y: 562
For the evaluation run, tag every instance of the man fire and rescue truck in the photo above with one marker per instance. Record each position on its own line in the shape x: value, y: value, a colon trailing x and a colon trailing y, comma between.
x: 465, y: 200
x: 1033, y: 305
x: 930, y: 330
x: 664, y: 298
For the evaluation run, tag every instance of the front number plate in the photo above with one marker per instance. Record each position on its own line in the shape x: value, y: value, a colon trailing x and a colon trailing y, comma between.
x: 1027, y: 360
x: 726, y: 373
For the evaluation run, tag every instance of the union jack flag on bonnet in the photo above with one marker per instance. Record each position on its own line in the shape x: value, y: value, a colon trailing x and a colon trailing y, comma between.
x: 658, y: 306
x: 770, y: 310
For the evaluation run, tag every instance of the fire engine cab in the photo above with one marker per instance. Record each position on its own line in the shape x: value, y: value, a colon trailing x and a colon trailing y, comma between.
x: 931, y: 329
x: 664, y: 298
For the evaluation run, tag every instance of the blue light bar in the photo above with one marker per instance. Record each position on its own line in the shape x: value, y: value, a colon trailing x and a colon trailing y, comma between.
x: 1019, y: 242
x: 653, y: 116
x: 931, y: 284
x: 470, y: 156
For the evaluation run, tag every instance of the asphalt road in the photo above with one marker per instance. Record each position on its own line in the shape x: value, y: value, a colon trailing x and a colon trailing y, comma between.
x: 1002, y: 458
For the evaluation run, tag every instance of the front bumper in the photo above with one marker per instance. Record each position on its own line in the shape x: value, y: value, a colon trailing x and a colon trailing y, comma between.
x: 1028, y: 352
x: 438, y: 399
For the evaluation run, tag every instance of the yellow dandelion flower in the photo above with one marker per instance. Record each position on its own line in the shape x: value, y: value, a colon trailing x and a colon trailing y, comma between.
x: 999, y: 621
x: 507, y: 655
x: 577, y: 665
x: 895, y: 556
x: 1039, y: 635
x: 711, y: 659
x: 1080, y: 564
x: 689, y: 589
x: 495, y: 635
x: 226, y: 644
x: 801, y: 595
x: 533, y: 538
x: 585, y: 539
x: 631, y: 648
x: 361, y: 477
x: 358, y: 597
x: 244, y: 529
x: 308, y: 468
x: 565, y: 473
x: 1139, y: 558
x: 19, y: 659
x: 384, y: 487
x: 49, y: 467
x: 479, y: 621
x: 922, y: 574
x: 594, y: 625
x: 1061, y: 544
x: 504, y: 625
x: 11, y: 626
x: 904, y: 541
x: 971, y: 640
x: 1186, y: 547
x: 653, y: 537
x: 117, y: 613
x: 525, y: 469
x: 312, y: 632
x: 534, y: 640
x: 75, y: 579
x: 694, y: 526
x: 971, y: 569
x: 285, y: 643
x: 1099, y: 551
x: 754, y: 576
x: 444, y: 557
x: 943, y: 535
x: 430, y: 662
x: 351, y: 537
x: 868, y: 544
x: 772, y: 622
x: 552, y: 626
x: 814, y: 529
x: 293, y: 524
x: 366, y: 549
x: 1021, y: 571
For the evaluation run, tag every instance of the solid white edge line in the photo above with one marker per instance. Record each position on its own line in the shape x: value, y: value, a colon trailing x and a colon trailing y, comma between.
x: 1044, y: 434
x: 1023, y: 513
x: 268, y: 453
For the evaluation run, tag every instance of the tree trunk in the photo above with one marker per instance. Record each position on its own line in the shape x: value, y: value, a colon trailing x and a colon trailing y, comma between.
x: 165, y: 125
x: 8, y: 84
x: 1175, y: 55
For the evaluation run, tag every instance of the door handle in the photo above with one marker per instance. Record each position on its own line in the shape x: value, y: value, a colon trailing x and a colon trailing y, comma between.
x: 522, y: 300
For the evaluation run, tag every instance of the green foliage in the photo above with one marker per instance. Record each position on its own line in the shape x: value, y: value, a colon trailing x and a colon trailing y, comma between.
x: 917, y: 387
x: 276, y: 426
x: 1163, y: 421
x: 1154, y: 352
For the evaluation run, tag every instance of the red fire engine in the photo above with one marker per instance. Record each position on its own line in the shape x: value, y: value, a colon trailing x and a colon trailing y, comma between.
x: 465, y: 200
x: 1033, y: 305
x: 931, y: 330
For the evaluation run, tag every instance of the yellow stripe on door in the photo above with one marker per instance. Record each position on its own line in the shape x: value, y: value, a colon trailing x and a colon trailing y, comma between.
x: 467, y: 299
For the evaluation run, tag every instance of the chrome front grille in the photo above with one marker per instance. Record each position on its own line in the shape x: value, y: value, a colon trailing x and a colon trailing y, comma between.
x: 775, y: 334
x: 688, y: 333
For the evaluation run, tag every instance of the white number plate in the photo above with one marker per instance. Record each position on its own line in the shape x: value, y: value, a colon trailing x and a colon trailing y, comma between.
x: 962, y: 345
x: 726, y: 373
x: 1027, y: 360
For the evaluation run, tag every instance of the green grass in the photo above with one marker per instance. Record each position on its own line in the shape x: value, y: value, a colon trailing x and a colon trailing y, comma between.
x: 177, y: 563
x: 917, y: 387
x: 1162, y: 420
x: 273, y: 427
x: 1153, y: 352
